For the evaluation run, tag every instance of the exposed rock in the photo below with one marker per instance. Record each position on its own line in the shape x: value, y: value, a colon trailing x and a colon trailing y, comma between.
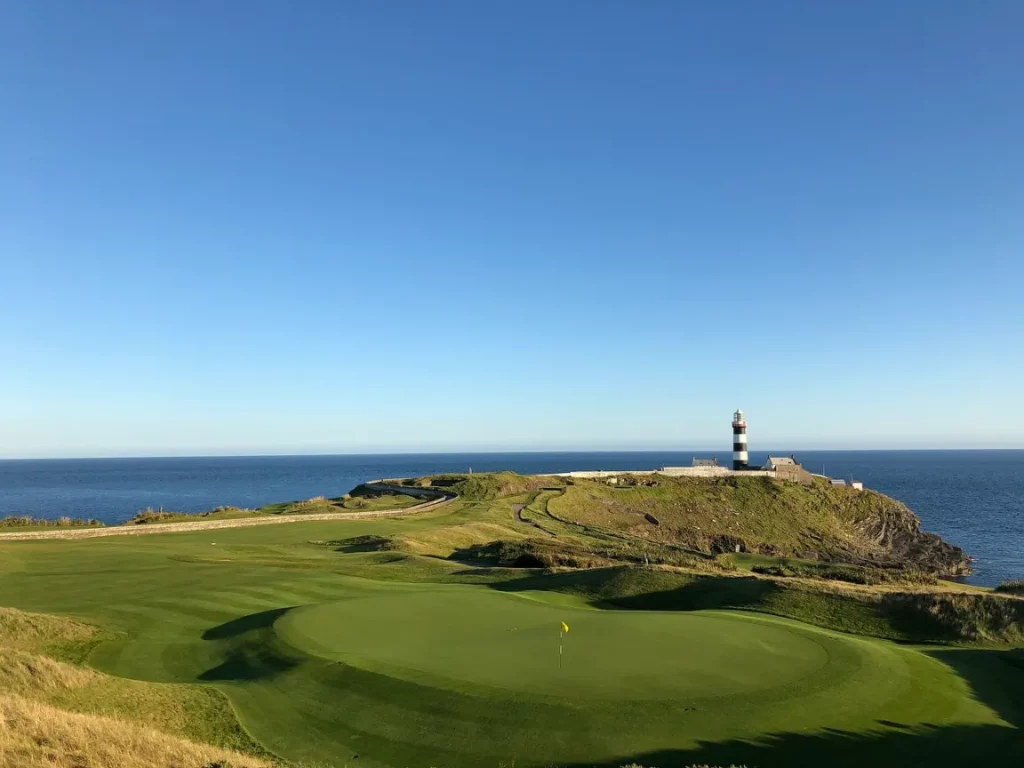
x: 896, y: 531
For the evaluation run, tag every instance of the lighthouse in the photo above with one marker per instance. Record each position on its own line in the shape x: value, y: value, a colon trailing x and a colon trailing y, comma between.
x: 739, y: 441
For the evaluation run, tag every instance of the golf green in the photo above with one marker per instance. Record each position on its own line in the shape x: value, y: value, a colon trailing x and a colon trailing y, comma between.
x: 512, y: 644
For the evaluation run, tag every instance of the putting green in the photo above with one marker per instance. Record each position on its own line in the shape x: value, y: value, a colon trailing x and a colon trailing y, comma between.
x: 511, y: 643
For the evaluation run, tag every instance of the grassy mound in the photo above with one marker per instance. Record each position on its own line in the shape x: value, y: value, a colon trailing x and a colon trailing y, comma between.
x: 486, y: 487
x: 55, y: 635
x: 34, y: 735
x: 190, y: 712
x: 765, y: 516
x: 923, y: 617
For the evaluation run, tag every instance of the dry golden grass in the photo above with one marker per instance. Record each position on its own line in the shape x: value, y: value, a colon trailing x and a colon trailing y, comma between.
x: 34, y: 735
x: 316, y: 501
x: 37, y: 631
x: 443, y: 542
x: 29, y: 674
x: 193, y: 713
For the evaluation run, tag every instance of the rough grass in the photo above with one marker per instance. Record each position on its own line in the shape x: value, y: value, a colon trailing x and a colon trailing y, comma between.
x: 192, y: 712
x: 488, y: 486
x: 764, y: 516
x: 35, y: 735
x: 55, y: 635
x: 454, y: 541
x: 150, y: 516
x: 315, y: 505
x: 27, y: 521
x: 1012, y: 587
x: 849, y: 573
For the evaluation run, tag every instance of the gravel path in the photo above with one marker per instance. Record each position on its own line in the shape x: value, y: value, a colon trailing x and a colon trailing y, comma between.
x: 202, y: 525
x: 518, y: 509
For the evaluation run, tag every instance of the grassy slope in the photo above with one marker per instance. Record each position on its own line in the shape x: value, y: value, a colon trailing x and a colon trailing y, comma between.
x: 34, y: 654
x: 200, y: 607
x: 34, y: 735
x: 760, y: 514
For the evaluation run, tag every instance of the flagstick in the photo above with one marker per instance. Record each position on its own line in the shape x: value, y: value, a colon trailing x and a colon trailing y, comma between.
x: 560, y: 633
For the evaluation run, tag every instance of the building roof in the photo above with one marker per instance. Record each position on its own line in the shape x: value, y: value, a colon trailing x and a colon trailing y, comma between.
x: 705, y: 462
x: 779, y: 461
x: 838, y: 483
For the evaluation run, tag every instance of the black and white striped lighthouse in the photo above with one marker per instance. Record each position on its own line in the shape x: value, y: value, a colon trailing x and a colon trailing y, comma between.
x: 739, y: 441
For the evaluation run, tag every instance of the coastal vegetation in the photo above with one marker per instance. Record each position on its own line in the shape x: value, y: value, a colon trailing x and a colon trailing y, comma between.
x: 357, y: 501
x: 1013, y: 587
x: 809, y: 637
x: 27, y: 522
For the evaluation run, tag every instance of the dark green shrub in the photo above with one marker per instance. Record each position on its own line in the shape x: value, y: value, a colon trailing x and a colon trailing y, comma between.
x: 1012, y: 586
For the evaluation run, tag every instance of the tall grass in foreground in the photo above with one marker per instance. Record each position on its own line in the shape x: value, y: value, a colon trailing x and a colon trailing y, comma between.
x: 34, y: 735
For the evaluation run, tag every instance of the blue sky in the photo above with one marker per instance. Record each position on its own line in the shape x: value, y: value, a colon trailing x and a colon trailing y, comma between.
x: 374, y: 226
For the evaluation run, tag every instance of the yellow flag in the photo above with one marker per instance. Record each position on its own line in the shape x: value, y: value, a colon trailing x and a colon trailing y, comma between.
x: 565, y: 628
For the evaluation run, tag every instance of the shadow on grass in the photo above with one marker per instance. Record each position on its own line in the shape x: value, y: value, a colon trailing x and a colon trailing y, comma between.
x: 900, y: 747
x: 631, y: 588
x: 253, y: 650
x: 702, y: 594
x: 241, y: 626
x: 996, y: 679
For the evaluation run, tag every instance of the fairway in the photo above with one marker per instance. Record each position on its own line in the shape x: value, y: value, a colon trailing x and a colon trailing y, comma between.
x: 326, y: 655
x: 472, y: 636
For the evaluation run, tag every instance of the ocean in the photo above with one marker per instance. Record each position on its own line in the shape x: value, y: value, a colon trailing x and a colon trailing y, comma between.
x: 974, y: 499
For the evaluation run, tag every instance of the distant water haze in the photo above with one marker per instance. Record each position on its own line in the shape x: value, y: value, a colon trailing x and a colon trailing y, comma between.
x: 972, y: 498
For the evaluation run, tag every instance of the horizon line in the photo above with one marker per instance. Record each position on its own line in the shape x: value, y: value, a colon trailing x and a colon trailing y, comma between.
x: 490, y: 453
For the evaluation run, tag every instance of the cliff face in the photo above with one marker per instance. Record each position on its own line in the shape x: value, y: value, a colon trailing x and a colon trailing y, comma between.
x: 896, y: 532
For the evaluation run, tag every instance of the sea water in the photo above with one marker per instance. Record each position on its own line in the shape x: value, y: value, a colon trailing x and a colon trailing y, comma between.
x: 974, y: 499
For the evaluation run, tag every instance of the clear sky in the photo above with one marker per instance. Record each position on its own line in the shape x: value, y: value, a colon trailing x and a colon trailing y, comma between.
x: 270, y: 227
